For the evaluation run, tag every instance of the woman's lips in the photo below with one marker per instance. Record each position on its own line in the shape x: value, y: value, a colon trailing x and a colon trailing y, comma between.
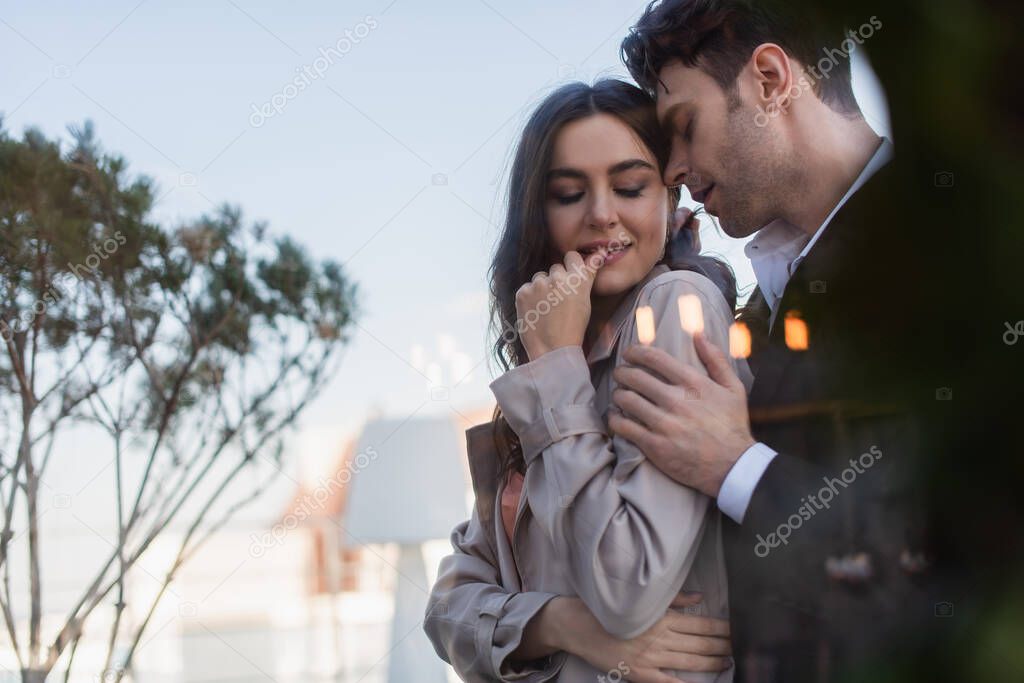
x: 614, y: 256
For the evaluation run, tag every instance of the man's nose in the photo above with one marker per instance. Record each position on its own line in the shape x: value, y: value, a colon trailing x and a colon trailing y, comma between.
x: 677, y: 168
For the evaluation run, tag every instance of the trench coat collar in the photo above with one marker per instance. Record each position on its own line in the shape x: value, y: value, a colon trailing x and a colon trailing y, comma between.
x: 610, y: 332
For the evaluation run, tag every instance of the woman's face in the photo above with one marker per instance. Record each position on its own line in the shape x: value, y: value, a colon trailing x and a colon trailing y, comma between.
x: 605, y: 189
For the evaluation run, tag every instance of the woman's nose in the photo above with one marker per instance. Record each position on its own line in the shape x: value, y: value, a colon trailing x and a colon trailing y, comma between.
x: 601, y: 213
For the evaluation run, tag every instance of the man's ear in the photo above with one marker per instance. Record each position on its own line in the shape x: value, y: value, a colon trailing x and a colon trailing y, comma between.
x: 772, y: 74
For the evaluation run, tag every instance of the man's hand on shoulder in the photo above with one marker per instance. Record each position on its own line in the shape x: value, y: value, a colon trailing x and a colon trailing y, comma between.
x: 691, y: 427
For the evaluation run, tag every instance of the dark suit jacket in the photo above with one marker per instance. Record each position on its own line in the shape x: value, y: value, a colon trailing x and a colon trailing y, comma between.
x: 858, y: 575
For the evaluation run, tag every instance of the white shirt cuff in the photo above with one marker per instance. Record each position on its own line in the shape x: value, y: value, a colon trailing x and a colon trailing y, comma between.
x: 740, y: 482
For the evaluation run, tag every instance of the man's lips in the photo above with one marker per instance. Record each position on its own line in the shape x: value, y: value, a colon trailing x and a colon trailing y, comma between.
x: 701, y: 196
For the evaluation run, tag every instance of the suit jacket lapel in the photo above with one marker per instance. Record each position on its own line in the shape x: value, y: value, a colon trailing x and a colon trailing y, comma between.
x: 754, y: 314
x: 805, y: 291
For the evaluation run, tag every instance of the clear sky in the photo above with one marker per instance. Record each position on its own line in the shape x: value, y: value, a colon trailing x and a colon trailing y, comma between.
x: 390, y: 161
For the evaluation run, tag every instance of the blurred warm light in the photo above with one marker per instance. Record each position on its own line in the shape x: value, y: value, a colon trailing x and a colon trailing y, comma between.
x: 739, y: 340
x: 796, y: 331
x: 645, y: 324
x: 691, y: 315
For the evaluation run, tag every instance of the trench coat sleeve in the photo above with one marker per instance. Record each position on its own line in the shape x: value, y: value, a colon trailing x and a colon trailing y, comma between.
x: 626, y: 533
x: 474, y: 623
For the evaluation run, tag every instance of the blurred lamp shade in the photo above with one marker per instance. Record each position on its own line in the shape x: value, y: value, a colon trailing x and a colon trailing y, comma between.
x: 408, y: 486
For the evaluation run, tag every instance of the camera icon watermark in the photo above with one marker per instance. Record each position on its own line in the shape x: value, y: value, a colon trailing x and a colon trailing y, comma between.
x: 188, y: 610
x: 438, y: 609
x: 62, y: 501
x: 438, y: 393
x: 439, y: 180
x: 566, y: 71
x: 943, y: 609
x: 187, y: 179
x: 693, y: 180
x: 565, y: 501
x: 697, y: 610
x: 818, y: 287
x: 944, y: 179
x: 60, y: 71
x: 943, y: 394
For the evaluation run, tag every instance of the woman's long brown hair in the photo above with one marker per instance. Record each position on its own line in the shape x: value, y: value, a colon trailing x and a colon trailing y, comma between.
x: 525, y: 247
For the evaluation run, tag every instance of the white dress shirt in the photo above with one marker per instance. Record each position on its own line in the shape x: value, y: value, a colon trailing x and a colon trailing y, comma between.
x: 774, y: 253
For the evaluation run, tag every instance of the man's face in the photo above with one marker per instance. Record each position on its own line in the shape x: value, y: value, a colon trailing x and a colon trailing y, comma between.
x: 740, y: 171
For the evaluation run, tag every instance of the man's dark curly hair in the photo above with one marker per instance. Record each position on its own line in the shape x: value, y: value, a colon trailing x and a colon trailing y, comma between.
x: 719, y: 36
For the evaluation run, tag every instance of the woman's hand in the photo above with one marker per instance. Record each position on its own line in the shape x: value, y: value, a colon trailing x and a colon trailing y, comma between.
x: 677, y: 641
x: 684, y: 219
x: 554, y: 307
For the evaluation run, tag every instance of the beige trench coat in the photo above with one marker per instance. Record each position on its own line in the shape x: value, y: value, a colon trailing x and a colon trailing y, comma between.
x: 595, y: 520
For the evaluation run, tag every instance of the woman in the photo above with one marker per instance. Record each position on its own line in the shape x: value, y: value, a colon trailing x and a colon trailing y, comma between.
x: 564, y: 509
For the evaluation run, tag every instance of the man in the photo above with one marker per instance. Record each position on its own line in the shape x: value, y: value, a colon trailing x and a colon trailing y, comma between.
x: 832, y: 562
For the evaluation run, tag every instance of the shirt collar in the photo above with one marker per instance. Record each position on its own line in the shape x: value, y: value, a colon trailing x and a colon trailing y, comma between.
x: 611, y: 330
x: 777, y: 241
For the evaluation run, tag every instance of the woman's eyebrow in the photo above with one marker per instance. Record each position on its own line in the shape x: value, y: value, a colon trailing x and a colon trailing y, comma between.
x: 566, y: 173
x: 619, y: 167
x: 628, y: 165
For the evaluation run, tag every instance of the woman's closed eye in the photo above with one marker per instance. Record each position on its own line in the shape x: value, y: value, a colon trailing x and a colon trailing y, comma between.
x: 628, y: 192
x: 569, y: 198
x: 631, y: 192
